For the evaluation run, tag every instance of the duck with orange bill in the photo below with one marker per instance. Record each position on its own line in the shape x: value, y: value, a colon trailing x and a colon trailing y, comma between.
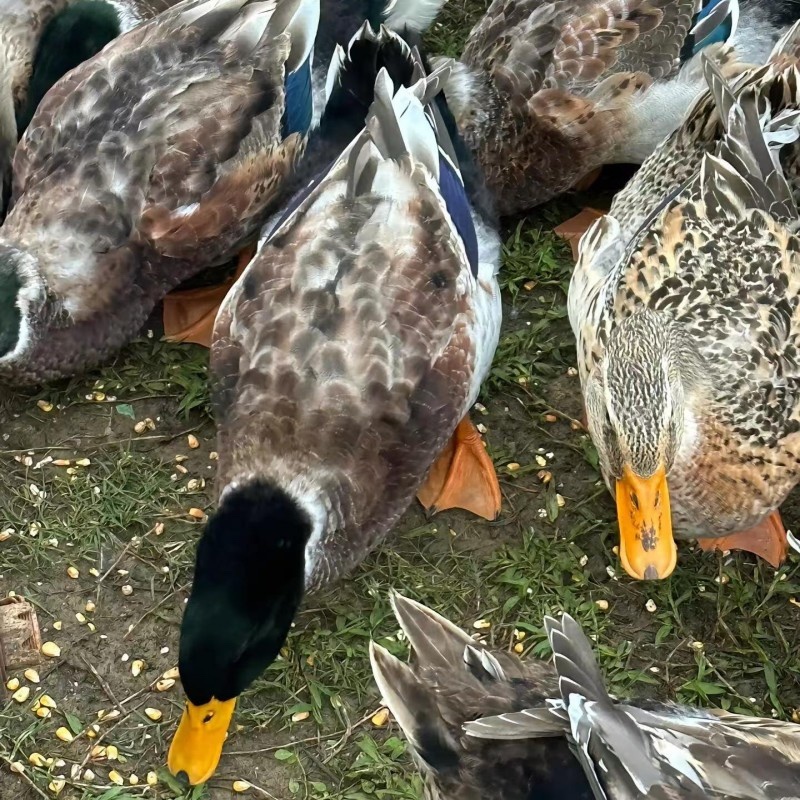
x: 683, y: 303
x: 346, y: 359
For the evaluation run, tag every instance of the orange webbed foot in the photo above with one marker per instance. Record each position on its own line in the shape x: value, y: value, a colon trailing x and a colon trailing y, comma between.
x: 189, y: 315
x: 463, y: 476
x: 573, y: 228
x: 767, y: 540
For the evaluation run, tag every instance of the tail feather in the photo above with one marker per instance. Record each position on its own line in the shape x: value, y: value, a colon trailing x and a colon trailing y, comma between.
x: 574, y: 660
x: 414, y: 706
x: 435, y: 640
x: 411, y: 15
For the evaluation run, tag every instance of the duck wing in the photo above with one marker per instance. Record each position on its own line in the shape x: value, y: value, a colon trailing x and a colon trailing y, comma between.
x: 359, y: 334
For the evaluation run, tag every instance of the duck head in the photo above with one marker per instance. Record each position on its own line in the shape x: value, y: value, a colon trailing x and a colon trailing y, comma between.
x: 635, y: 404
x: 248, y: 584
x: 22, y: 297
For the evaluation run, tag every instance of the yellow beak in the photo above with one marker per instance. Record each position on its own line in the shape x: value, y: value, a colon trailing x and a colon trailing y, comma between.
x: 197, y: 745
x: 647, y: 549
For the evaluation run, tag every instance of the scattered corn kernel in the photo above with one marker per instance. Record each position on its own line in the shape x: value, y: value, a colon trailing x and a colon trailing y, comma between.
x: 37, y: 759
x: 72, y: 572
x: 137, y: 665
x: 51, y: 649
x: 58, y: 625
x: 13, y: 685
x: 541, y: 460
x: 64, y: 734
x: 133, y: 780
x: 512, y: 467
x: 95, y: 572
x: 16, y: 766
x: 152, y: 779
x: 56, y: 785
x: 165, y: 684
x: 697, y: 646
x: 240, y: 786
x: 112, y: 753
x: 113, y: 714
x: 602, y: 604
x: 300, y: 716
x: 197, y: 513
x: 89, y: 607
x: 380, y: 718
x: 213, y: 456
x: 47, y: 701
x: 6, y: 534
x: 83, y: 462
x: 42, y: 712
x: 550, y: 418
x: 192, y: 441
x: 560, y: 501
x: 127, y: 590
x: 153, y: 714
x: 22, y: 694
x: 92, y: 627
x: 650, y: 605
x: 544, y: 476
x: 171, y: 674
x: 481, y: 624
x: 115, y: 777
x: 98, y: 751
x: 31, y: 675
x: 80, y: 617
x: 61, y: 462
x: 519, y: 647
x: 158, y: 529
x: 88, y: 775
x: 45, y: 405
x: 140, y: 426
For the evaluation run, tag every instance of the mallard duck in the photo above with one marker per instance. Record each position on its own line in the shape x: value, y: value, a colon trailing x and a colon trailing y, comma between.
x: 547, y: 92
x: 344, y: 359
x: 683, y: 303
x: 42, y: 40
x: 485, y: 725
x: 189, y: 314
x: 157, y: 158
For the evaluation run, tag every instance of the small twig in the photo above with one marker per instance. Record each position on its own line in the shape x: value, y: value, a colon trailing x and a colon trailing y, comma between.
x: 103, y: 684
x: 309, y: 740
x: 24, y: 777
x: 155, y: 608
x: 124, y: 552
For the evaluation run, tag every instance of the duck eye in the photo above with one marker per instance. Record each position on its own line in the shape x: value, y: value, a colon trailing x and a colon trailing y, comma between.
x: 208, y: 717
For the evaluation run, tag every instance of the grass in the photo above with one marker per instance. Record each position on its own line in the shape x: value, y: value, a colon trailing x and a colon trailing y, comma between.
x: 722, y: 631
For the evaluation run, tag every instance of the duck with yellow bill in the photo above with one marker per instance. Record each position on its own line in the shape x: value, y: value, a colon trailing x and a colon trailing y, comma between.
x: 346, y: 359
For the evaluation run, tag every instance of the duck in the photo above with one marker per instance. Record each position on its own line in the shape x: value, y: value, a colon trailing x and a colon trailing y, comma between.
x: 484, y: 724
x: 42, y: 40
x: 159, y: 157
x: 345, y: 360
x: 546, y: 93
x: 188, y: 314
x: 683, y: 305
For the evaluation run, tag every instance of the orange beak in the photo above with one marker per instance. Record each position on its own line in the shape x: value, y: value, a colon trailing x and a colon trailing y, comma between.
x: 197, y: 746
x: 647, y: 549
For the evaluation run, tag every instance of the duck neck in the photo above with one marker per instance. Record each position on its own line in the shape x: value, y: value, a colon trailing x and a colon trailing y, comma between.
x: 8, y: 131
x: 73, y: 36
x: 248, y: 584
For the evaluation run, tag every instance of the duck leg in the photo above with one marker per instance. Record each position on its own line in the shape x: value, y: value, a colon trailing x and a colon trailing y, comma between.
x: 767, y: 540
x: 463, y: 476
x: 189, y: 315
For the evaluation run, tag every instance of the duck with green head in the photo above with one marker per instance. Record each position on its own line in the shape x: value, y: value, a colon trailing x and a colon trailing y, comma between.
x: 684, y: 306
x: 345, y: 360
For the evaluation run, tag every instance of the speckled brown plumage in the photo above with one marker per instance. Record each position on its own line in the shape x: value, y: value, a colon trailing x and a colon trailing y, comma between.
x: 151, y: 162
x: 350, y: 349
x: 697, y: 269
x: 546, y: 92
